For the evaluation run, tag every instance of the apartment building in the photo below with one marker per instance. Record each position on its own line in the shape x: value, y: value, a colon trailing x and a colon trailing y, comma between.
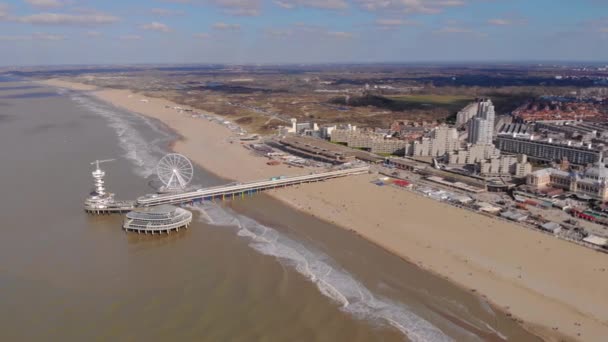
x: 548, y: 150
x: 370, y: 141
x: 442, y: 140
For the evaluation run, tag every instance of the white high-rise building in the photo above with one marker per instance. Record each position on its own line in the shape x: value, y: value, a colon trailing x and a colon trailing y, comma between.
x: 481, y: 128
x: 443, y: 140
x: 466, y: 114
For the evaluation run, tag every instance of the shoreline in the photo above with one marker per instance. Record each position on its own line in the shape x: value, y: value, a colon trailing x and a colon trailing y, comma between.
x: 456, y: 260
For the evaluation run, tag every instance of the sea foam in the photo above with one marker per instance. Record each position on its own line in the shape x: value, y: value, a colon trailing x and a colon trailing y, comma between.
x: 331, y: 280
x: 143, y: 154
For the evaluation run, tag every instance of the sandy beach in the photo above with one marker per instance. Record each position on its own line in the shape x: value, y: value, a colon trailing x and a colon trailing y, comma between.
x: 556, y: 288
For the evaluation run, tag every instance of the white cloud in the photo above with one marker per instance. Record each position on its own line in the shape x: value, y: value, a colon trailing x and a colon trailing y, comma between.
x: 285, y: 4
x: 226, y: 27
x: 309, y: 27
x: 239, y: 7
x: 166, y: 12
x: 44, y: 3
x: 394, y: 22
x: 279, y: 32
x: 68, y: 19
x: 453, y: 29
x: 92, y: 34
x: 340, y: 34
x: 46, y: 36
x: 323, y: 4
x: 130, y: 37
x: 156, y: 26
x: 599, y: 25
x: 3, y: 10
x: 230, y: 7
x: 500, y: 22
x: 459, y: 30
x: 40, y: 36
x: 409, y: 6
x: 508, y: 21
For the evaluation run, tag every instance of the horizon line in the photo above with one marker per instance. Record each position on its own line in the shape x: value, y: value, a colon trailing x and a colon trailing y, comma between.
x: 370, y: 63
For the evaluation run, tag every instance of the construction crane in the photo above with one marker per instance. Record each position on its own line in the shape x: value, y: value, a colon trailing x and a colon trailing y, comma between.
x: 97, y: 162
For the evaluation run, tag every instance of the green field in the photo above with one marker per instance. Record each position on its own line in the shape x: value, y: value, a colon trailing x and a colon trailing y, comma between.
x: 449, y: 102
x: 432, y: 98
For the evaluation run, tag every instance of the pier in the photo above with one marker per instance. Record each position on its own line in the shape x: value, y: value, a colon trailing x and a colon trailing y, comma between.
x: 100, y: 201
x: 157, y: 220
x: 156, y: 213
x: 245, y: 189
x: 114, y: 207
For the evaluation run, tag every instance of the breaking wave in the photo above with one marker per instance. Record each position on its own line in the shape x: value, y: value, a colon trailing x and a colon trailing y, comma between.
x: 142, y: 153
x: 332, y: 281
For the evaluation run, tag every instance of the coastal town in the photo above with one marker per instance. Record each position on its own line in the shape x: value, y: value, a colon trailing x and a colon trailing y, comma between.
x: 454, y: 168
x: 540, y: 168
x: 304, y: 170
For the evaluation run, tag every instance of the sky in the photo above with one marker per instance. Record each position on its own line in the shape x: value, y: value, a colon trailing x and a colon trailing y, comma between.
x: 53, y: 32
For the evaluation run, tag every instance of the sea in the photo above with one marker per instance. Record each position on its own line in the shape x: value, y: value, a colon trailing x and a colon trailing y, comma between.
x: 249, y: 269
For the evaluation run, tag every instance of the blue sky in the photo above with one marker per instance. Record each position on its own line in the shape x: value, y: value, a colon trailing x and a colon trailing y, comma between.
x: 41, y: 32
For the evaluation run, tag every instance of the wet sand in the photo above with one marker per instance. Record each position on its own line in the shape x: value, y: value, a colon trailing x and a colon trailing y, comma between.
x: 554, y: 287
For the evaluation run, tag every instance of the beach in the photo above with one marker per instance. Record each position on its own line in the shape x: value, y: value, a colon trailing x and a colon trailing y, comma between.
x: 554, y: 287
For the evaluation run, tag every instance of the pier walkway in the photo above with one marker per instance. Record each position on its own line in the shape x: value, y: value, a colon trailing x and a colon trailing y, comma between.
x: 232, y: 191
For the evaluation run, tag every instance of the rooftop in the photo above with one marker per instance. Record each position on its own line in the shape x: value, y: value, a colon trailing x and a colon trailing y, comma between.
x: 596, y: 240
x: 159, y: 209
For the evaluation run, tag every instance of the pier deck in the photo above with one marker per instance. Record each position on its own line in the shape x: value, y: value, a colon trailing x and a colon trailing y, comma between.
x: 117, y: 207
x: 232, y: 191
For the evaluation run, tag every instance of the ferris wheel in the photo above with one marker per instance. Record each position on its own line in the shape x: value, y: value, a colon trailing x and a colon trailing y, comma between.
x: 175, y: 171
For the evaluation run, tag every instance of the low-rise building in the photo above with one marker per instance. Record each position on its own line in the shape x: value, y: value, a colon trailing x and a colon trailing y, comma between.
x: 522, y: 168
x: 316, y: 149
x: 514, y: 216
x: 304, y: 128
x: 596, y: 241
x: 404, y: 164
x: 592, y: 183
x: 506, y: 165
x: 326, y: 131
x: 518, y: 130
x: 410, y: 130
x: 551, y: 227
x: 559, y: 109
x: 442, y: 140
x: 473, y: 154
x: 369, y: 141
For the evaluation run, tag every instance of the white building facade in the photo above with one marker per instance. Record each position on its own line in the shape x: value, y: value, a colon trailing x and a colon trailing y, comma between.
x: 481, y: 127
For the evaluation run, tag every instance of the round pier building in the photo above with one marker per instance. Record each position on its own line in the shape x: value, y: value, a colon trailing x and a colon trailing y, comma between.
x: 157, y: 219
